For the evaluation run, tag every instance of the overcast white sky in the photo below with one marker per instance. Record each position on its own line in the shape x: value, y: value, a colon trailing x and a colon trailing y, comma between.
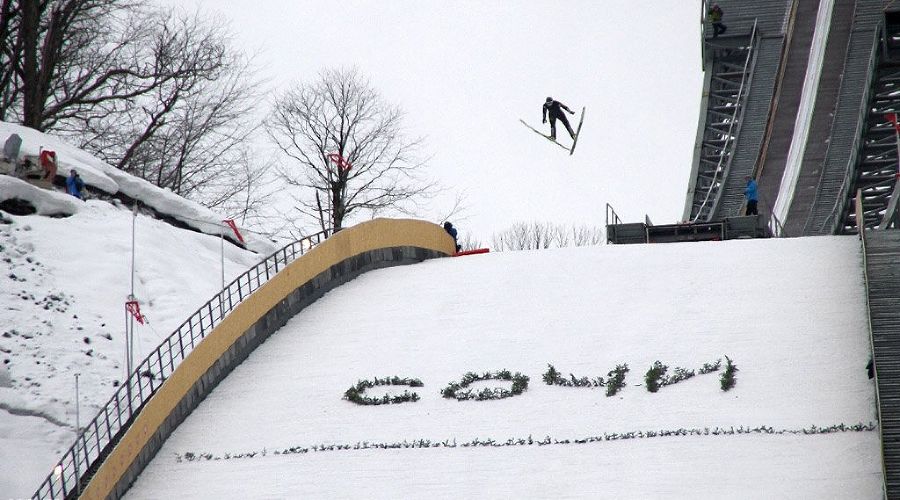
x: 466, y: 71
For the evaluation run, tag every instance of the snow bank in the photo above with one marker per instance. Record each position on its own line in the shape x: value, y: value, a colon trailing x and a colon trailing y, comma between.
x: 44, y: 201
x: 104, y: 177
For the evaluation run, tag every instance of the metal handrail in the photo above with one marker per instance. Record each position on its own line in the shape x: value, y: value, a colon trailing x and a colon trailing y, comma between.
x: 703, y: 4
x: 775, y: 226
x: 858, y: 209
x: 611, y: 215
x: 730, y: 135
x: 98, y: 437
x: 611, y: 219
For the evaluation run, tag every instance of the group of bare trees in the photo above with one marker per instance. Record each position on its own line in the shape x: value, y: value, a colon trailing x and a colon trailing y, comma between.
x: 158, y: 93
x: 166, y: 96
x: 541, y: 235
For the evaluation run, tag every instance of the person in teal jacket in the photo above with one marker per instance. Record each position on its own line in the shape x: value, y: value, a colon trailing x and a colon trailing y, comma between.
x: 752, y: 195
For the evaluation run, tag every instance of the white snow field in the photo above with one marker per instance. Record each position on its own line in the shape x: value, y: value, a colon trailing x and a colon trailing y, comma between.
x: 790, y: 313
x: 63, y: 285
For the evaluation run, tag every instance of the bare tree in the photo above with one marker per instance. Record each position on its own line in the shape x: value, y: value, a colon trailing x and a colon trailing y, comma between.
x: 583, y: 236
x: 340, y: 113
x: 468, y: 241
x: 158, y: 93
x: 191, y: 132
x: 84, y: 59
x: 541, y: 235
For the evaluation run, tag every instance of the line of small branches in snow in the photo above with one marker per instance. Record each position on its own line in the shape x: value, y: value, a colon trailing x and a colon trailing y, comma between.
x: 529, y: 441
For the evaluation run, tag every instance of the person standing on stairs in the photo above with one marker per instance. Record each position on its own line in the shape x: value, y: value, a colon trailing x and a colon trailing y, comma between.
x: 715, y: 17
x: 751, y: 192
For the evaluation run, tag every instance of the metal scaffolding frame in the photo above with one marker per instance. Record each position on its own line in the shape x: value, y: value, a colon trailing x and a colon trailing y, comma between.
x: 729, y: 68
x: 877, y: 168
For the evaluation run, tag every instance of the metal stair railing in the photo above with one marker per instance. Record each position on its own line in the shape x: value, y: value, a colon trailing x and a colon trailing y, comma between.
x: 726, y: 149
x: 98, y: 437
x: 858, y: 209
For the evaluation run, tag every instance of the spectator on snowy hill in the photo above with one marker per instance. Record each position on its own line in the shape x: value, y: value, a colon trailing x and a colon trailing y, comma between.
x: 452, y: 232
x: 48, y: 162
x: 11, y: 148
x: 74, y: 184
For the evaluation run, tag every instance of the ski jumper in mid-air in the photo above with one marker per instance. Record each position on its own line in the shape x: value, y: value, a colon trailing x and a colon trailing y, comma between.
x: 554, y: 109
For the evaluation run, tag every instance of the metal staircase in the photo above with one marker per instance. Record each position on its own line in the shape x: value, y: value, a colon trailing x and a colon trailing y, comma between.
x: 727, y: 88
x: 741, y: 69
x: 882, y: 268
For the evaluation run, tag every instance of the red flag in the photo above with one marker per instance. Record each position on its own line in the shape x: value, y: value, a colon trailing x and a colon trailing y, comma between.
x: 342, y: 164
x: 134, y: 308
x: 234, y: 228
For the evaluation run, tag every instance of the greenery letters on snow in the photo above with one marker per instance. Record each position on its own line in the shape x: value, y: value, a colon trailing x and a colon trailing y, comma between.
x: 355, y: 393
x: 727, y: 379
x: 613, y: 384
x: 460, y: 391
x: 656, y: 377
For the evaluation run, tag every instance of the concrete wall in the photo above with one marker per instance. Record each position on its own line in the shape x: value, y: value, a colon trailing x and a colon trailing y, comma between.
x: 351, y: 252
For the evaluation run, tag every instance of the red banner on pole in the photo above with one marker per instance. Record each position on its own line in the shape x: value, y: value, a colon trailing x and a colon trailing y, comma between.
x: 339, y: 160
x: 234, y: 228
x: 134, y: 308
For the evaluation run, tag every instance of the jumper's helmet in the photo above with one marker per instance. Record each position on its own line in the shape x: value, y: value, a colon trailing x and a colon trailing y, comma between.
x: 549, y: 99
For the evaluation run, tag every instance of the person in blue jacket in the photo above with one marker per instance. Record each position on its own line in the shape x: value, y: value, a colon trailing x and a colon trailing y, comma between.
x: 452, y: 232
x: 74, y: 184
x: 750, y: 192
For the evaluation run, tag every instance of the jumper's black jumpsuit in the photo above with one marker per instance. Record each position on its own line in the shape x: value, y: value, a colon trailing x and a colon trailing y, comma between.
x: 556, y: 113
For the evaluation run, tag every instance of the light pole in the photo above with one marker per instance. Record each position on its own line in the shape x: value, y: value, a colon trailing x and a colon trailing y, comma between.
x: 77, y: 435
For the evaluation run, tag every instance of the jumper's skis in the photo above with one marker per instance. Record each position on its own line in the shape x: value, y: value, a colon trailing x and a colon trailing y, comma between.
x: 538, y: 132
x: 577, y: 133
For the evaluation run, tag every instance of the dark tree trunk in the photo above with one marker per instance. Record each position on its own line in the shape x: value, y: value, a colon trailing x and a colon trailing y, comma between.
x: 28, y: 34
x: 7, y: 68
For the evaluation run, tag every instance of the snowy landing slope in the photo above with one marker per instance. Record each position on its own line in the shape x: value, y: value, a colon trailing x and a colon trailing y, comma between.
x: 790, y: 313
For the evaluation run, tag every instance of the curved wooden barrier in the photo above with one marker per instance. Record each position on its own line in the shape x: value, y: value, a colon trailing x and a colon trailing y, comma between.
x: 345, y: 255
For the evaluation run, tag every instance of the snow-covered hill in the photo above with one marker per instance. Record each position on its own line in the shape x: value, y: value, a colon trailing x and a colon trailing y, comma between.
x: 65, y: 281
x: 110, y: 181
x: 800, y: 423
